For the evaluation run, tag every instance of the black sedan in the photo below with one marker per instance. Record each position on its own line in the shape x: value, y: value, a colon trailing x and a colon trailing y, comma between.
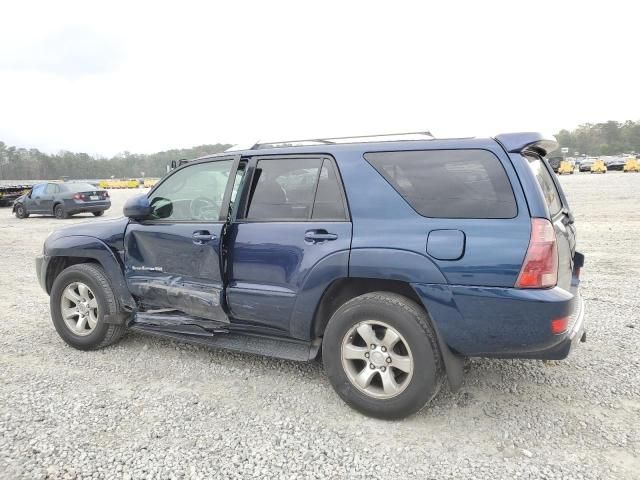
x: 585, y: 165
x: 62, y: 200
x: 616, y: 163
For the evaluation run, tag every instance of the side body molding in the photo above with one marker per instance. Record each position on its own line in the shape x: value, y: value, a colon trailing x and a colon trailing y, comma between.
x: 90, y: 247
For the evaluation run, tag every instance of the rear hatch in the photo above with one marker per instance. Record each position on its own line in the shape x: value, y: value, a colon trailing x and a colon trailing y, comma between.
x: 561, y: 217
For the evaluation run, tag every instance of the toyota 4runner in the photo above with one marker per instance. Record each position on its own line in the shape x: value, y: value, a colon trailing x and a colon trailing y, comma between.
x: 395, y: 257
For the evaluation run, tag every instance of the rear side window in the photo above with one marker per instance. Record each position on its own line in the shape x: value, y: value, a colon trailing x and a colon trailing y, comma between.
x: 549, y: 190
x: 328, y: 204
x: 449, y: 183
x: 51, y: 189
x: 296, y: 189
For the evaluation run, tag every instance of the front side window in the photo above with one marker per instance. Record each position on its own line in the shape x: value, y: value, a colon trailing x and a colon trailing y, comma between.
x: 38, y: 189
x: 449, y: 183
x: 193, y: 193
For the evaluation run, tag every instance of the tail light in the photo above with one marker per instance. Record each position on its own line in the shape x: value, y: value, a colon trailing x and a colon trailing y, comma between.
x: 540, y: 266
x: 78, y: 196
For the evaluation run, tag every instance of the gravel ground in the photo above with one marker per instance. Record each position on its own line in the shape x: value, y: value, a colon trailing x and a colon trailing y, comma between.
x: 148, y: 408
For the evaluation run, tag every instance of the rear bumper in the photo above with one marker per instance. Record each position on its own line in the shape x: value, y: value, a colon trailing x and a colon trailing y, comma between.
x: 79, y: 207
x: 575, y: 333
x: 504, y: 322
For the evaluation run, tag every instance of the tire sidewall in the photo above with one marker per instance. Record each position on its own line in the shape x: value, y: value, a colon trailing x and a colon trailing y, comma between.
x: 424, y: 383
x: 99, y: 332
x: 21, y: 211
x: 59, y: 208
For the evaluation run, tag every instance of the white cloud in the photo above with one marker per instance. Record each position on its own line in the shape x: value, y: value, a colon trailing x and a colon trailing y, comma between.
x: 72, y: 51
x: 149, y: 76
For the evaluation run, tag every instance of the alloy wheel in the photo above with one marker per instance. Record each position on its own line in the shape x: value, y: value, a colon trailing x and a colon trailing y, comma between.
x: 377, y: 359
x: 79, y: 307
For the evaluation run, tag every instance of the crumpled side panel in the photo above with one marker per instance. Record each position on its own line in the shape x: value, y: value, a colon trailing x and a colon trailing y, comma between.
x: 174, y: 292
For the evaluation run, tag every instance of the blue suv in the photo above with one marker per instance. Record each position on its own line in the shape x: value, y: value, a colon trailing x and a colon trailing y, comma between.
x: 396, y: 257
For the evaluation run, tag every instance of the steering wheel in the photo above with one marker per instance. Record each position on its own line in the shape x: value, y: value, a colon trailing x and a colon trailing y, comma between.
x: 200, y: 206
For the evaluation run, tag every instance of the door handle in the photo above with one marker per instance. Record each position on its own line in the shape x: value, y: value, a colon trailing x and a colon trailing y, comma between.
x: 315, y: 236
x: 201, y: 237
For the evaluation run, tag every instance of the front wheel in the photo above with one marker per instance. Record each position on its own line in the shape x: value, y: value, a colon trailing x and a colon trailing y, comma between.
x: 21, y: 212
x: 80, y: 298
x: 98, y: 214
x: 381, y: 355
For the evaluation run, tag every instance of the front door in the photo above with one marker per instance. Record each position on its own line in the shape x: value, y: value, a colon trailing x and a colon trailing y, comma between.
x: 34, y: 202
x: 291, y: 217
x: 172, y: 258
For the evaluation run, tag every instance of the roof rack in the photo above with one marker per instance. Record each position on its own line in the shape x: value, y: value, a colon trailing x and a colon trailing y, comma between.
x: 385, y: 137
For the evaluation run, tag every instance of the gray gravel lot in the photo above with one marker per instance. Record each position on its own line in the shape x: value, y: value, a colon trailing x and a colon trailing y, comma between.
x: 148, y: 408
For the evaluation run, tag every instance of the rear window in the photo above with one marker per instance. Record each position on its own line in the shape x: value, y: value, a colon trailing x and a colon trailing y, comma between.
x: 80, y: 187
x: 549, y: 190
x: 449, y: 183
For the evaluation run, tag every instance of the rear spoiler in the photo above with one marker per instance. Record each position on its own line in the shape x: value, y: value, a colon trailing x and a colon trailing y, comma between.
x: 532, y: 141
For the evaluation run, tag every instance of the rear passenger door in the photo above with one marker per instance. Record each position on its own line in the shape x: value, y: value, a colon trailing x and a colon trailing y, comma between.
x: 50, y: 192
x: 292, y: 216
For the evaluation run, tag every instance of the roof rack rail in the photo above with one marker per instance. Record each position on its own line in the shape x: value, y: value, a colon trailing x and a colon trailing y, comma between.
x: 385, y: 137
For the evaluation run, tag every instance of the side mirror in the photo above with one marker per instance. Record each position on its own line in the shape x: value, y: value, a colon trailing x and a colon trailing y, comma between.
x: 137, y: 207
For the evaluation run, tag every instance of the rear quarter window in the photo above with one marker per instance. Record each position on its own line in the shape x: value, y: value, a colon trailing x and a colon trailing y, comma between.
x: 449, y: 183
x: 549, y: 190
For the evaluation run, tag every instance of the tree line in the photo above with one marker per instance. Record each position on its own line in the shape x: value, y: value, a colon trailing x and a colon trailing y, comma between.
x: 32, y: 164
x: 609, y: 138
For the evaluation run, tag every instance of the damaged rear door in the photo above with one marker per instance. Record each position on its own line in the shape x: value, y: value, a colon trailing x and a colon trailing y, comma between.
x: 172, y: 258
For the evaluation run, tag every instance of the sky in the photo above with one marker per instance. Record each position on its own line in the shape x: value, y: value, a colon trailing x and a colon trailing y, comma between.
x: 108, y: 77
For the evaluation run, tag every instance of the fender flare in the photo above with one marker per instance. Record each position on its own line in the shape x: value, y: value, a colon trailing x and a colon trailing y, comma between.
x: 83, y: 246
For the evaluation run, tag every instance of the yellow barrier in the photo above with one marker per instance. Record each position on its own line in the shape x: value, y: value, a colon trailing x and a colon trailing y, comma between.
x: 150, y: 182
x: 131, y: 183
x: 566, y: 167
x: 631, y: 165
x: 599, y: 167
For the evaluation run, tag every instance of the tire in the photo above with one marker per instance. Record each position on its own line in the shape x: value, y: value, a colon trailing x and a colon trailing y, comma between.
x: 98, y: 214
x: 59, y: 212
x: 102, y: 334
x: 21, y: 212
x: 407, y: 319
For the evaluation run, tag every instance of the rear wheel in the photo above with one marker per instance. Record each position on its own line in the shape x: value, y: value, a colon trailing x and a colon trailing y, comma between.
x: 80, y: 298
x: 98, y: 214
x: 21, y: 212
x: 381, y: 355
x: 59, y: 211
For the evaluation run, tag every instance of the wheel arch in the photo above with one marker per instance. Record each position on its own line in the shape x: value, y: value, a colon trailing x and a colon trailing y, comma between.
x: 344, y: 289
x: 66, y: 251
